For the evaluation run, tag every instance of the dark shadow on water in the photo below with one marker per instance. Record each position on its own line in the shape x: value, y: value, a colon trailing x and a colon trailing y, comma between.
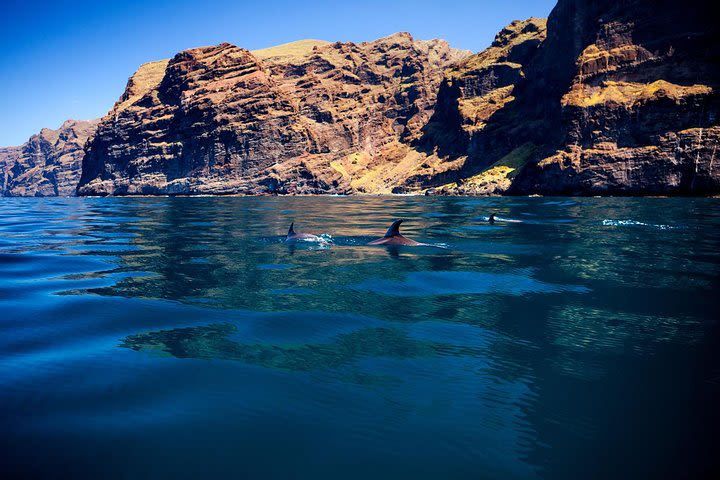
x: 344, y: 350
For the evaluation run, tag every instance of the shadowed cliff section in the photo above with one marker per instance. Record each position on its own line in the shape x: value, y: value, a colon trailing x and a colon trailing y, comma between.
x: 635, y: 104
x: 648, y: 115
x: 48, y: 164
x: 637, y: 113
x: 475, y: 93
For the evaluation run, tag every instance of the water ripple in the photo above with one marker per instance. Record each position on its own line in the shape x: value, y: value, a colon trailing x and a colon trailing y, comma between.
x: 459, y: 283
x: 137, y: 328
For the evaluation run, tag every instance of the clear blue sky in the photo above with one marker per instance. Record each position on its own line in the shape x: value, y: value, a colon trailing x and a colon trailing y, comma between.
x: 65, y: 60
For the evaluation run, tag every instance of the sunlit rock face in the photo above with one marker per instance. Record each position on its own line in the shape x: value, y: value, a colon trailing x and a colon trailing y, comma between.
x: 308, y: 117
x: 623, y: 99
x: 48, y: 164
x: 618, y: 98
x: 603, y: 98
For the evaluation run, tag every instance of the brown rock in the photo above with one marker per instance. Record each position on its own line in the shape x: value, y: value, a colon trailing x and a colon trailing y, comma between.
x: 474, y: 91
x: 48, y: 164
x: 310, y: 117
x: 623, y: 98
x: 620, y: 98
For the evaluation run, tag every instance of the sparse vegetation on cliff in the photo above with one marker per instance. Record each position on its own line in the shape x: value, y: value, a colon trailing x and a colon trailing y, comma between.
x: 605, y: 100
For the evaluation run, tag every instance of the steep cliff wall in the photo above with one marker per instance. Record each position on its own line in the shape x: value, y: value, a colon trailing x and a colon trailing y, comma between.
x: 605, y: 98
x: 48, y: 164
x: 310, y: 117
x: 640, y: 112
x: 473, y: 94
x: 621, y: 98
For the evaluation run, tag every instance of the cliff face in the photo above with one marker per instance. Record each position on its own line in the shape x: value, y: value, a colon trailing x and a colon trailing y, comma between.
x: 621, y: 98
x: 604, y: 98
x: 474, y: 93
x: 308, y: 117
x: 640, y: 115
x: 48, y: 164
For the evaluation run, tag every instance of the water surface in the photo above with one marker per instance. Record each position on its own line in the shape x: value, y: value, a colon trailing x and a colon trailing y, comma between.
x: 181, y: 337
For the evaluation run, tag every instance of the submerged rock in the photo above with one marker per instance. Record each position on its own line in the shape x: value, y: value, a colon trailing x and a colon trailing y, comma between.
x: 212, y: 341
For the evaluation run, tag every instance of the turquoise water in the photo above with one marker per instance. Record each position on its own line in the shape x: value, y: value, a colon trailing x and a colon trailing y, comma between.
x: 181, y: 337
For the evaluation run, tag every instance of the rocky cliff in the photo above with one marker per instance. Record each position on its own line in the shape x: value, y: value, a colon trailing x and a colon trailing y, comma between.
x: 48, y: 164
x: 641, y: 113
x: 308, y: 117
x: 603, y: 98
x: 621, y: 98
x: 473, y: 93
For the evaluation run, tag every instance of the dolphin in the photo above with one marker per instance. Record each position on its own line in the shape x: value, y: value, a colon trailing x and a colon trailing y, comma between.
x: 292, y: 236
x: 393, y: 237
x: 491, y: 220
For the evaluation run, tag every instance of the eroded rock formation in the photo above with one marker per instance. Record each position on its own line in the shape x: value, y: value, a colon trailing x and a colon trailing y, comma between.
x: 621, y: 98
x: 474, y: 92
x: 308, y: 117
x: 48, y: 164
x: 604, y: 98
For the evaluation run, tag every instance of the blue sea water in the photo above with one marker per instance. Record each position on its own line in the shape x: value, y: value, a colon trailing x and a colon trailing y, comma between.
x: 183, y: 338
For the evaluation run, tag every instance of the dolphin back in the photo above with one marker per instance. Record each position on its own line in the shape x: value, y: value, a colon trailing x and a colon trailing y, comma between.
x: 394, y: 229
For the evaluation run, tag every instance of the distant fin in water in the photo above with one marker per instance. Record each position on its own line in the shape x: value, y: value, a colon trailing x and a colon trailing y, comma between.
x: 291, y: 230
x: 394, y: 229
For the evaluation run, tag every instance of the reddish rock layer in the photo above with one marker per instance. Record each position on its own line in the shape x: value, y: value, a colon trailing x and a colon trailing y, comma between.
x: 308, y: 118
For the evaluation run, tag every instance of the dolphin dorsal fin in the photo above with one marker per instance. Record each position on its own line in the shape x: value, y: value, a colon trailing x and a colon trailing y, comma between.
x: 394, y: 229
x: 291, y: 230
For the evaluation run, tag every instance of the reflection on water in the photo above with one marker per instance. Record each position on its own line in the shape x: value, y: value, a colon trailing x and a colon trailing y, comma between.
x: 518, y: 350
x: 448, y: 283
x: 211, y: 342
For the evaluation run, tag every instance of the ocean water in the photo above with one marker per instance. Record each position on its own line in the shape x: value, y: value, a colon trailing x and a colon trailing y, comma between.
x: 183, y: 338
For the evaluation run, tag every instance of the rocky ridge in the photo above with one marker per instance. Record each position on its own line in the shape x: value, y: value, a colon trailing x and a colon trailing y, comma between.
x: 603, y: 98
x: 311, y: 117
x: 48, y: 164
x: 620, y: 99
x: 473, y: 93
